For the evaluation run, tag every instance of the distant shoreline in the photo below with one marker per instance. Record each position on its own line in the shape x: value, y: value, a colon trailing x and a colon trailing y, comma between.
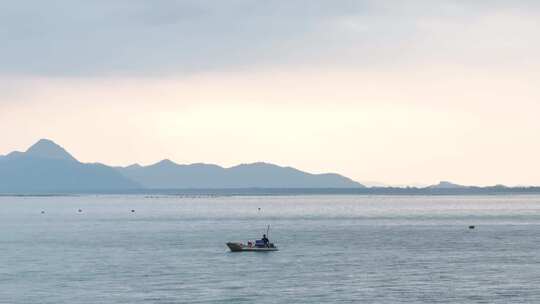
x: 497, y: 190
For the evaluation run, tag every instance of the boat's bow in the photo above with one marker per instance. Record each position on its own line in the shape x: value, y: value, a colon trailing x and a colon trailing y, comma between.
x: 235, y: 247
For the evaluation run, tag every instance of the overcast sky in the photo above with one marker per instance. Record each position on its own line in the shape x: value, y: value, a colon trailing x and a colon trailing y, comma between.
x: 391, y: 91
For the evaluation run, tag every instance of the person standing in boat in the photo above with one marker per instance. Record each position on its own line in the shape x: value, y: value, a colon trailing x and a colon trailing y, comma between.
x: 265, y: 240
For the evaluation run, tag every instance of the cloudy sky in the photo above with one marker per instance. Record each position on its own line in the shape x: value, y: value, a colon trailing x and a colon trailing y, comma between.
x: 398, y: 92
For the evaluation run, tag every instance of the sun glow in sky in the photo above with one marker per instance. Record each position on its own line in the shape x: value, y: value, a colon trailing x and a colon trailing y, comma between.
x: 398, y: 92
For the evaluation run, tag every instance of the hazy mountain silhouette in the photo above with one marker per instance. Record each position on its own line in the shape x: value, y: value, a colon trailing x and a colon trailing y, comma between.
x: 48, y: 168
x: 447, y: 185
x: 169, y: 175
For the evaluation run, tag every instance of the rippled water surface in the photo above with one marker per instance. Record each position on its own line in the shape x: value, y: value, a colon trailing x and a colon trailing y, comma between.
x: 333, y: 249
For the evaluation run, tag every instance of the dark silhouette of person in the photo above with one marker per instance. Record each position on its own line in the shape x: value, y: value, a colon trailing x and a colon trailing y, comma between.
x: 265, y: 240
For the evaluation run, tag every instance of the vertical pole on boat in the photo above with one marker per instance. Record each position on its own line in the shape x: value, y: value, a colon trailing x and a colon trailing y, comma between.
x: 267, y: 232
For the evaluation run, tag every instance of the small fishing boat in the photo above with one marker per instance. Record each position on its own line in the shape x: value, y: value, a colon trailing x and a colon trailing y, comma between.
x: 258, y: 246
x: 262, y: 245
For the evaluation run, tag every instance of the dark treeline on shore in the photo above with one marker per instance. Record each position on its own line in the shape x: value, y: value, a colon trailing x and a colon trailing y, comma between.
x: 496, y: 190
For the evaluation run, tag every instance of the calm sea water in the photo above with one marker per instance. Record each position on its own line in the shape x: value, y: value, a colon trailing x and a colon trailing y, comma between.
x: 333, y: 249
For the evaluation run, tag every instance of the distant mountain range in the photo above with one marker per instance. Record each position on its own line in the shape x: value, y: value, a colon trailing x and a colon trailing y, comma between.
x: 48, y: 168
x: 169, y: 175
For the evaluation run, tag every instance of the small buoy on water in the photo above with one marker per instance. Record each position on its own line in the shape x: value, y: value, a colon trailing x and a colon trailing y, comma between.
x: 80, y: 210
x: 132, y: 210
x: 471, y: 227
x: 42, y: 212
x: 259, y: 209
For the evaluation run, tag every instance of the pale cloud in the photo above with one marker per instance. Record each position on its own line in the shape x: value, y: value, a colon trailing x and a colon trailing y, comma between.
x: 167, y: 37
